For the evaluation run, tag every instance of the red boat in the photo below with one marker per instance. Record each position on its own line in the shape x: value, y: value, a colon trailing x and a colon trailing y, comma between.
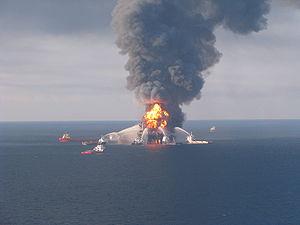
x: 88, y: 152
x: 65, y: 138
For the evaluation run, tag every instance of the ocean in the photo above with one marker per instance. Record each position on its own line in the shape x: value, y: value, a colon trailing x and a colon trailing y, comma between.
x: 249, y: 175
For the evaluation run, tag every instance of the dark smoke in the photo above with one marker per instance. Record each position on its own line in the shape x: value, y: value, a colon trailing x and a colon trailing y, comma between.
x: 170, y: 43
x: 292, y: 3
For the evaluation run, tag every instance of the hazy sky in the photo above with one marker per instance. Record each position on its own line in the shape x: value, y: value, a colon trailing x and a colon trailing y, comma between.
x: 58, y: 61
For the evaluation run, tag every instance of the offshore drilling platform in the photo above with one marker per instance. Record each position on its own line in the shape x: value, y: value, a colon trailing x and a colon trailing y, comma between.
x: 152, y: 130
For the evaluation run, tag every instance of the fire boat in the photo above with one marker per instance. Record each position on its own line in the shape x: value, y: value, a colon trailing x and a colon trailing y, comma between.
x: 65, y: 138
x: 96, y: 150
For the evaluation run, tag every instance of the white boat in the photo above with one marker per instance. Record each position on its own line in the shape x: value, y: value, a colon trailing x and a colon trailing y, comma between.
x: 99, y: 148
x: 212, y: 129
x: 193, y: 142
x: 138, y: 141
x: 190, y: 140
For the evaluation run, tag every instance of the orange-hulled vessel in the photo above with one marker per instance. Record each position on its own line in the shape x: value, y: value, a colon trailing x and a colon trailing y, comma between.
x: 65, y: 138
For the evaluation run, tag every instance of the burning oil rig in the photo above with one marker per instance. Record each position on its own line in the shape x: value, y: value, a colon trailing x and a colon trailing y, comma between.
x: 153, y: 126
x: 153, y: 129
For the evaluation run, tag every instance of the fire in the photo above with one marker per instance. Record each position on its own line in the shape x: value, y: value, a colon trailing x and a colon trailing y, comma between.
x: 156, y: 117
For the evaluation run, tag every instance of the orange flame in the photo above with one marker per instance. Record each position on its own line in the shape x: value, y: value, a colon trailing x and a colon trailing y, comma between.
x: 156, y: 117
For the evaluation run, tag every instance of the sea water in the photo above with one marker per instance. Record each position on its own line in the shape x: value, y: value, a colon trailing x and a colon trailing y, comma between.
x: 249, y: 175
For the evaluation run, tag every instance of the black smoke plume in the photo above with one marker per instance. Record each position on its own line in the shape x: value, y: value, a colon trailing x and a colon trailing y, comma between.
x: 292, y: 3
x: 170, y: 43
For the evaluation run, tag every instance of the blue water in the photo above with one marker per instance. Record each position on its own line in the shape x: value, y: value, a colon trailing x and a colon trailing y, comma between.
x: 250, y: 175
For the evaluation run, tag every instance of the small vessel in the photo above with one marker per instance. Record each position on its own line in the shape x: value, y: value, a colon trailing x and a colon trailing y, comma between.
x: 190, y: 140
x: 212, y: 129
x: 90, y: 142
x: 65, y: 138
x: 88, y: 152
x: 194, y: 142
x: 138, y: 141
x: 99, y: 148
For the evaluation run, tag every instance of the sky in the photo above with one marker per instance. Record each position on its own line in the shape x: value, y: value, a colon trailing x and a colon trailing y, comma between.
x: 58, y: 61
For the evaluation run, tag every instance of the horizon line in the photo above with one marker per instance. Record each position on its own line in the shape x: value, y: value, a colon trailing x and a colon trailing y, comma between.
x: 238, y: 119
